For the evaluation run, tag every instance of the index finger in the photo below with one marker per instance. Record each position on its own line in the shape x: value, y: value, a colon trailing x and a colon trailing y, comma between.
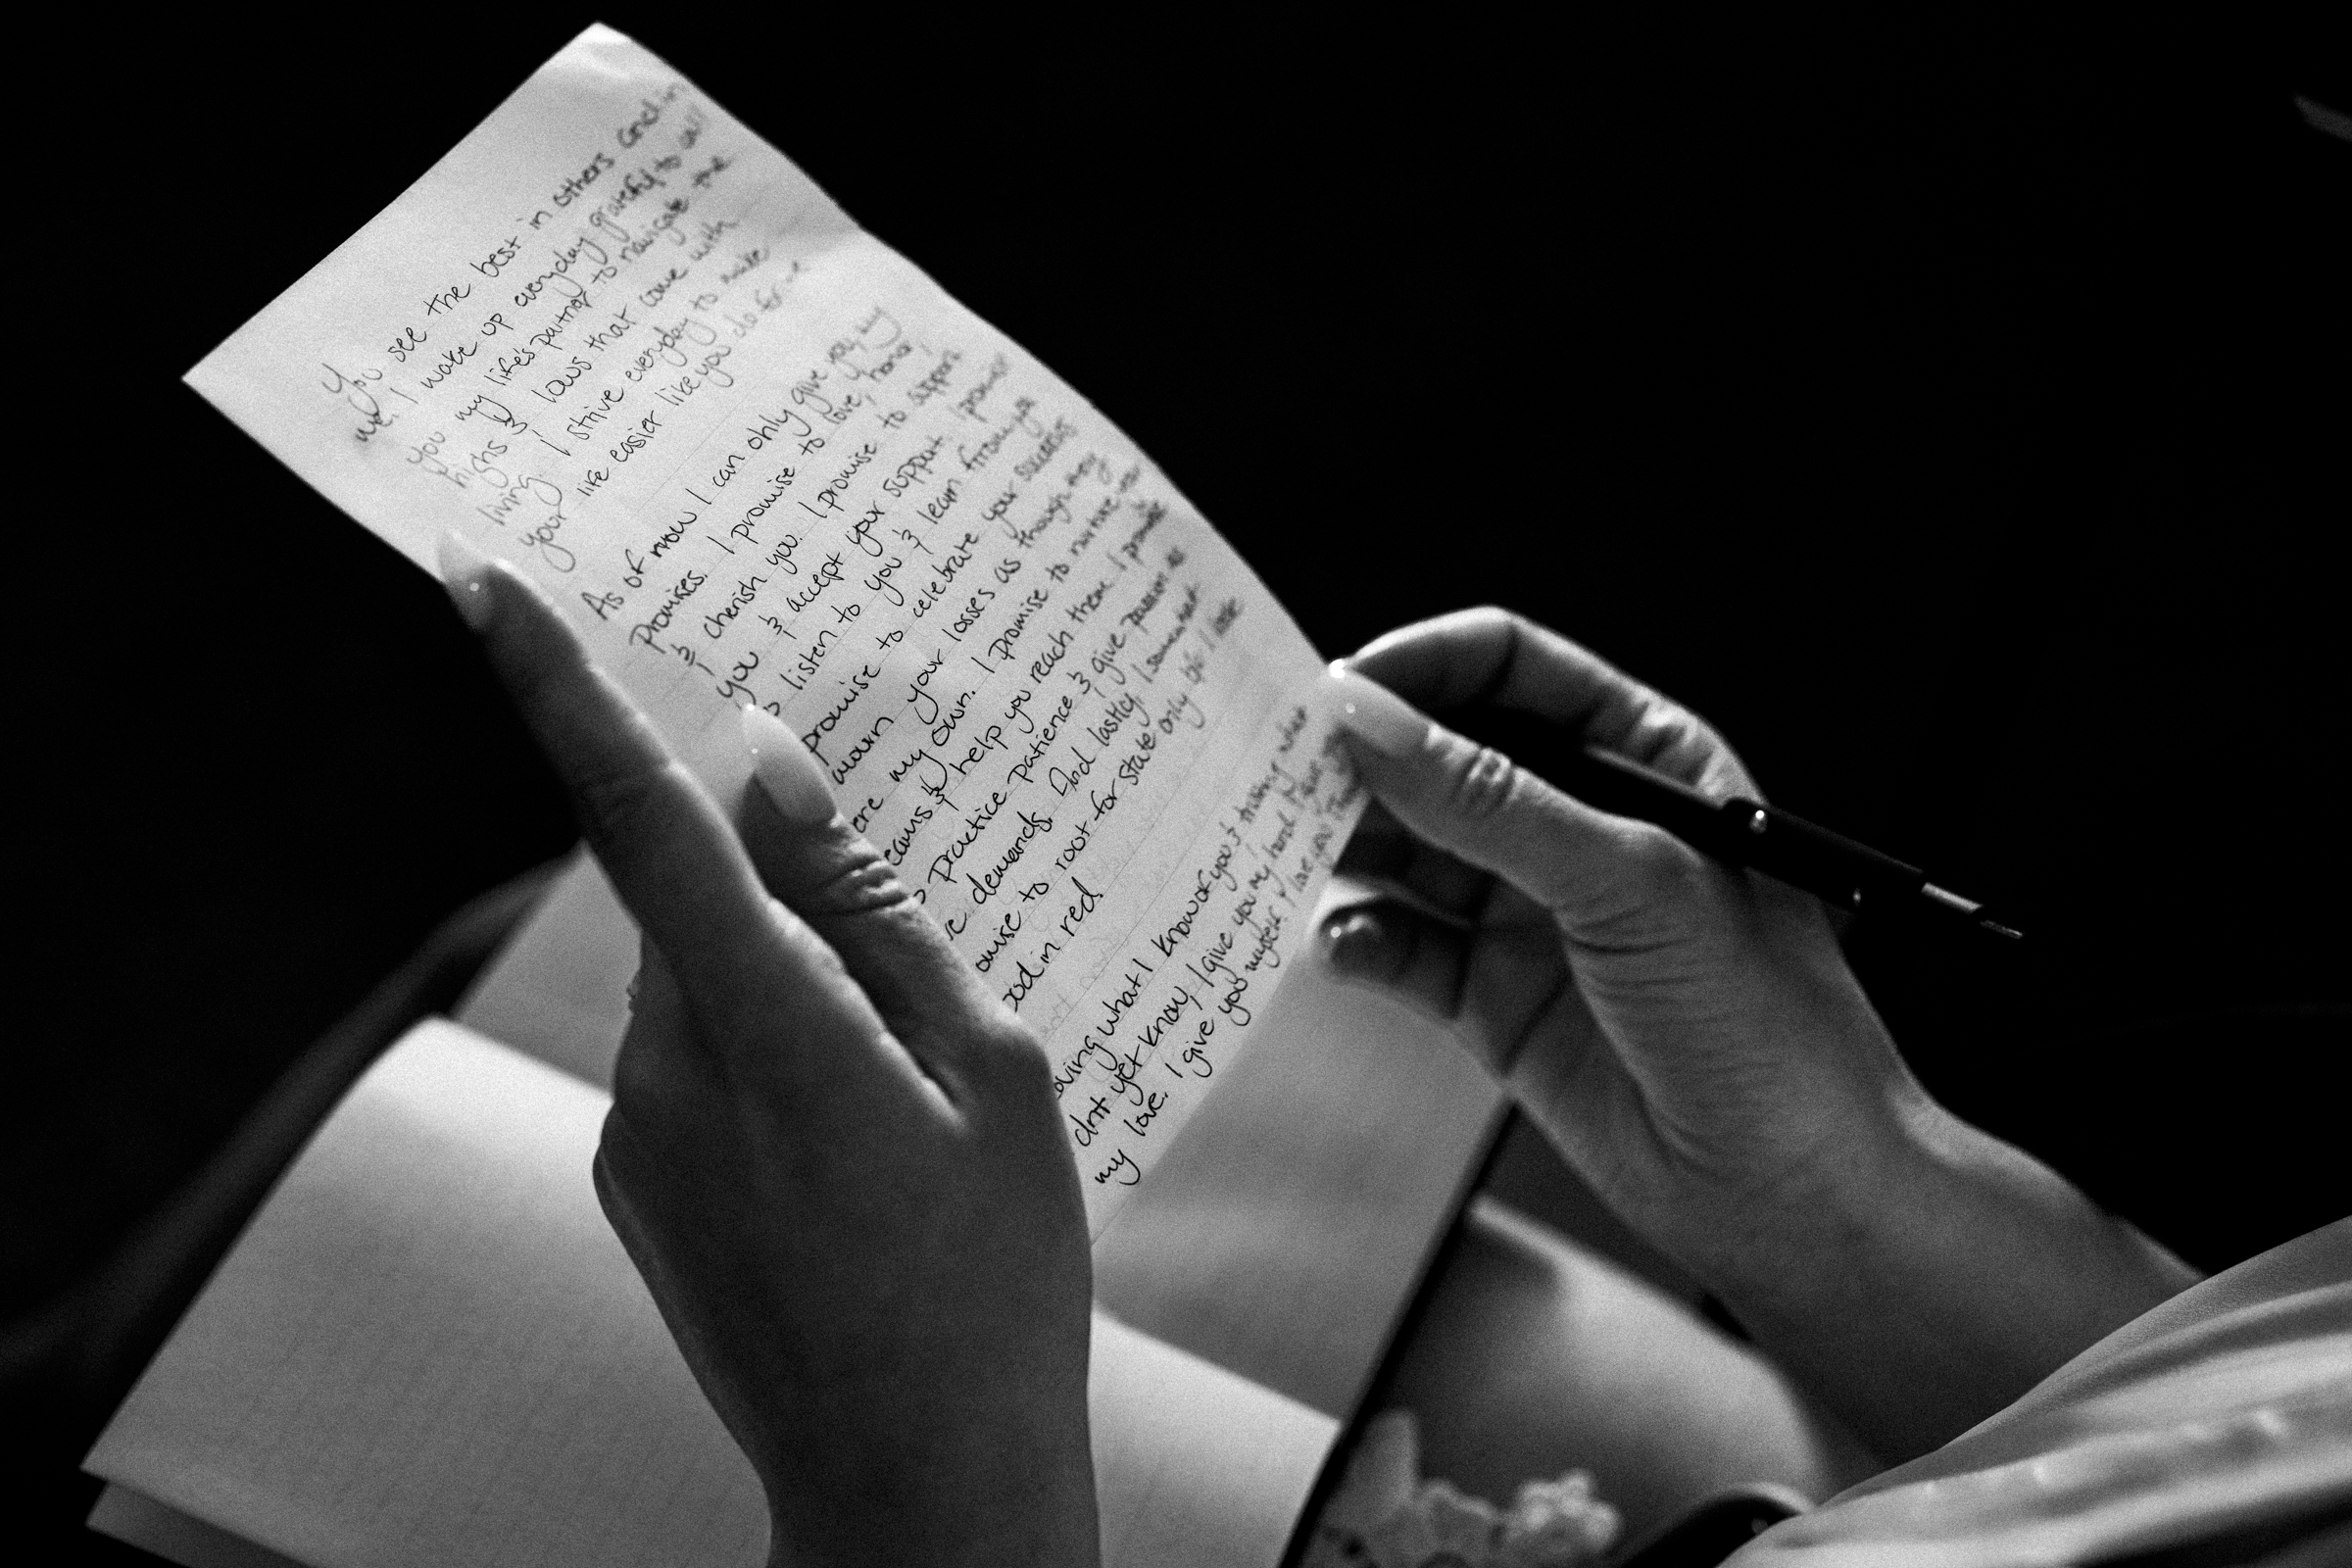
x: 670, y: 854
x: 1491, y: 657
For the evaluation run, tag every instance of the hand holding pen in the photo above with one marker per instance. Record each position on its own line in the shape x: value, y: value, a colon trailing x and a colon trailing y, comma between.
x: 1684, y: 1030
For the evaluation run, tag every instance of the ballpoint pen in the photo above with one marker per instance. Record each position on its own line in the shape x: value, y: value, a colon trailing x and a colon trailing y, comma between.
x: 1740, y: 831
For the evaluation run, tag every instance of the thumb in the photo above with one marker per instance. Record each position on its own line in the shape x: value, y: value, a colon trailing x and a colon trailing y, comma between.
x: 852, y: 895
x: 1602, y: 875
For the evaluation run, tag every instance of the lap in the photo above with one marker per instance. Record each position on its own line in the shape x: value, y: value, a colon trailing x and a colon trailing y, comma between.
x: 1532, y: 1355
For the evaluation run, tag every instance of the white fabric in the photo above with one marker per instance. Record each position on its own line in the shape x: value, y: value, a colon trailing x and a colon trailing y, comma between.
x: 2226, y: 1407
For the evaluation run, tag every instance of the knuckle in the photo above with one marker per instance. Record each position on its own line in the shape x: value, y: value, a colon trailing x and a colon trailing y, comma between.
x: 1480, y: 784
x: 1657, y: 724
x: 1676, y: 741
x: 860, y: 881
x: 619, y: 807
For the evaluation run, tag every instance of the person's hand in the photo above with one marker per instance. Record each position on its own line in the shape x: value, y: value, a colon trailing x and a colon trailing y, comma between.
x: 1686, y: 1034
x: 832, y: 1154
x: 1690, y: 1038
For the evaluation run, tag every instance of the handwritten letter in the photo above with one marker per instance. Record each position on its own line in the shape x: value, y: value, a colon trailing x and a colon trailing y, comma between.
x: 617, y: 338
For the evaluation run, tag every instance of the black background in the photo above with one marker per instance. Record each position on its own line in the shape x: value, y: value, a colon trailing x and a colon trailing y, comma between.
x: 1956, y: 417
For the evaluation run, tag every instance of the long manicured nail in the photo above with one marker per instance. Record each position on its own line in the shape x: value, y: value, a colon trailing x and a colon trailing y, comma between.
x: 466, y: 573
x: 1356, y: 942
x: 1384, y: 721
x: 792, y: 780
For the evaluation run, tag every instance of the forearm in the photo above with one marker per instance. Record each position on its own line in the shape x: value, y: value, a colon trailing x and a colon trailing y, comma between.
x: 1933, y: 1280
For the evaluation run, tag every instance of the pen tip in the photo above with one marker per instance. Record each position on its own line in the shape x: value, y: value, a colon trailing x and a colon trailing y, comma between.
x: 2000, y: 930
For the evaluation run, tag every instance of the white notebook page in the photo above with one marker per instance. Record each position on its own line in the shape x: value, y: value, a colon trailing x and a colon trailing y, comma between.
x: 429, y: 1347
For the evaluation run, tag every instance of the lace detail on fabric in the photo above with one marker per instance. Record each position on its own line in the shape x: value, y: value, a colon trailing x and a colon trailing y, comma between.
x: 1384, y: 1515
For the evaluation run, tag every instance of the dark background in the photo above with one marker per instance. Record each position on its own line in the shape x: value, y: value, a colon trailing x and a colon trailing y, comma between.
x: 1957, y: 418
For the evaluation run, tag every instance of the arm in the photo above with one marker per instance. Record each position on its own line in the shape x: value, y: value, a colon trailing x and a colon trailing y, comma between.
x: 1691, y: 1039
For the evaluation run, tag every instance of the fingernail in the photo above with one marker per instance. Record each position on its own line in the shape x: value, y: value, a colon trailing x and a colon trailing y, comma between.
x: 791, y: 778
x: 1384, y: 721
x: 1356, y: 943
x: 466, y: 573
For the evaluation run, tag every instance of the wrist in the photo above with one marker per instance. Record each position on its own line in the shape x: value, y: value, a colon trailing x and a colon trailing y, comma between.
x: 1816, y: 1158
x: 1943, y: 1275
x: 1855, y: 1202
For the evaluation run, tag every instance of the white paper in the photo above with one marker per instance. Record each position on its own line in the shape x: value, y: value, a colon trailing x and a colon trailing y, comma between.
x: 617, y: 338
x: 164, y: 1532
x: 1289, y: 1225
x: 429, y: 1347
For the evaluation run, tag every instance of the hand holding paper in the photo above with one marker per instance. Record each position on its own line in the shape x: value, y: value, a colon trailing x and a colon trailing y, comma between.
x: 742, y: 452
x: 834, y: 1157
